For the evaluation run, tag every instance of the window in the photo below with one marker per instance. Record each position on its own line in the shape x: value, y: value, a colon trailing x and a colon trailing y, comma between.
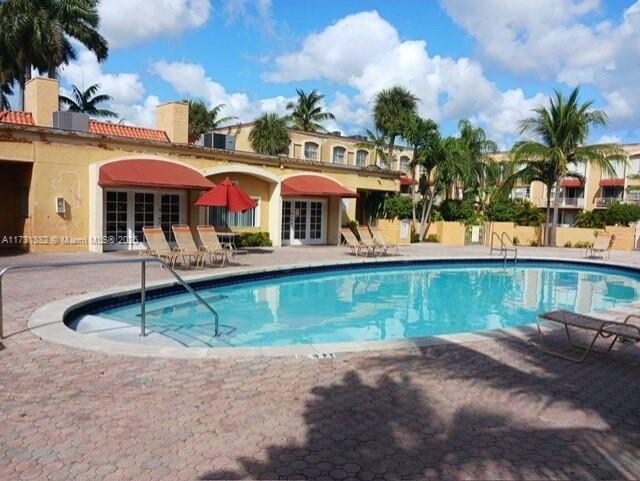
x: 311, y: 151
x: 404, y: 162
x: 634, y: 165
x: 521, y: 192
x: 339, y: 154
x: 618, y: 167
x: 361, y: 158
x: 221, y: 217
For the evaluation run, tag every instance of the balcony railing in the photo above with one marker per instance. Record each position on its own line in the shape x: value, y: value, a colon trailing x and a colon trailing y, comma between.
x: 565, y: 202
x: 605, y: 202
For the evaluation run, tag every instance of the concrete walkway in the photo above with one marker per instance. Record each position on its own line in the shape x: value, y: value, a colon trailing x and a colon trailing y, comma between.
x: 494, y: 409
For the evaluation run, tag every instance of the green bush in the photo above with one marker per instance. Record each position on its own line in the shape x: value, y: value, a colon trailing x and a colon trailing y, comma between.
x: 583, y: 244
x: 533, y: 243
x: 622, y: 214
x: 516, y: 241
x: 254, y: 239
x: 593, y: 219
x: 432, y: 238
x: 567, y: 244
x: 458, y: 210
x: 398, y: 207
x: 516, y: 211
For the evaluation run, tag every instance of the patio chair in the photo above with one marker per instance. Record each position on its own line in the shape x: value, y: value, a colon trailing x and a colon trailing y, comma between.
x: 601, y: 246
x: 187, y: 248
x: 381, y: 242
x: 210, y: 245
x: 157, y: 245
x: 618, y: 330
x: 354, y: 244
x: 367, y: 240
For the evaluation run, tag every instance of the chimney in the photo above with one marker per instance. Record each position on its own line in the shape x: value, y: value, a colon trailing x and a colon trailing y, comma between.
x: 173, y: 118
x: 41, y: 99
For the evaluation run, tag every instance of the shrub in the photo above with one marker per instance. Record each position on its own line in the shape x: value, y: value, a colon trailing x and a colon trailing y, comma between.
x: 458, y: 210
x: 622, y: 214
x: 254, y: 239
x: 567, y: 244
x: 533, y: 243
x: 398, y: 207
x: 583, y: 244
x: 432, y: 238
x: 516, y: 241
x: 516, y: 211
x: 591, y: 219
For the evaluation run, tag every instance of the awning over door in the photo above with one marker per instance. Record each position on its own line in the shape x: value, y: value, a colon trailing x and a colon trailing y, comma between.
x: 152, y: 173
x: 612, y: 183
x: 572, y: 182
x: 313, y: 186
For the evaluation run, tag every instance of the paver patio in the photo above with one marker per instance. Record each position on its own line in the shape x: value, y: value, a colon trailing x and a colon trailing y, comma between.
x: 497, y: 409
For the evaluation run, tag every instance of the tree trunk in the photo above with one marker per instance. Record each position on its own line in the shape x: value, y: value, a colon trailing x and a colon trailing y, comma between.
x: 547, y: 217
x: 392, y: 139
x: 425, y: 221
x: 25, y: 76
x: 556, y: 206
x: 413, y: 186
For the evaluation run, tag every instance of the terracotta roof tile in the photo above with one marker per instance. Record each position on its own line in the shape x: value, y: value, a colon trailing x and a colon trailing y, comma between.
x: 119, y: 130
x: 11, y: 117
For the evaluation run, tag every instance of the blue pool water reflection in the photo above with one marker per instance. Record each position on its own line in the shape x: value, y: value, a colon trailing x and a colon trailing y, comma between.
x: 377, y: 303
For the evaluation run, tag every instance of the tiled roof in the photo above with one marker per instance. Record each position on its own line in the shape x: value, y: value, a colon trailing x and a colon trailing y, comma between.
x: 119, y: 130
x: 11, y: 117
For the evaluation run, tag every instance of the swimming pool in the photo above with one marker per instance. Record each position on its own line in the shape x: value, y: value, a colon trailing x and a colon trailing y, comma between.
x: 354, y: 303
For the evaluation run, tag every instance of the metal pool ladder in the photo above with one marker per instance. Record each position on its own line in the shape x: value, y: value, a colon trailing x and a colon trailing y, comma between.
x: 504, y: 249
x: 143, y: 284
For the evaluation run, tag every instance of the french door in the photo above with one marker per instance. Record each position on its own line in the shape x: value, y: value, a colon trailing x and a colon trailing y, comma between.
x: 304, y: 221
x: 127, y: 211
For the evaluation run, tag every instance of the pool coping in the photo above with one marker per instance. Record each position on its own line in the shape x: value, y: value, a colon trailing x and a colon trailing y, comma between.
x: 47, y: 322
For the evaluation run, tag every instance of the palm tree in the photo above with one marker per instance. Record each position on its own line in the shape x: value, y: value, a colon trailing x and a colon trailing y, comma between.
x: 37, y: 33
x: 562, y: 130
x: 270, y: 135
x: 306, y: 112
x: 376, y: 142
x: 202, y: 119
x: 477, y: 147
x: 392, y: 109
x: 87, y: 102
x: 419, y: 133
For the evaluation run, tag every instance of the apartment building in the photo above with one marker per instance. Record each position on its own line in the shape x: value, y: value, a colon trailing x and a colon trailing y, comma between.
x: 70, y: 183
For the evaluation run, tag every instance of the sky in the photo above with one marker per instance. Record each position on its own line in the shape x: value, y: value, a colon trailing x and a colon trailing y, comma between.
x: 491, y: 61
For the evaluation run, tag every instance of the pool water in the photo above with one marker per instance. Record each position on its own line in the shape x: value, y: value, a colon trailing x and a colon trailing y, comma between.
x: 383, y: 302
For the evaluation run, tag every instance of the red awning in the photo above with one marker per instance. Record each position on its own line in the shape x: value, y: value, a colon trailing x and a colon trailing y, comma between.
x: 612, y: 183
x: 151, y: 173
x: 313, y: 186
x: 571, y: 182
x: 404, y: 180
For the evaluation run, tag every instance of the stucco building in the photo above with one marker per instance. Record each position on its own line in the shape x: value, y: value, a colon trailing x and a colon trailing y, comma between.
x: 77, y: 184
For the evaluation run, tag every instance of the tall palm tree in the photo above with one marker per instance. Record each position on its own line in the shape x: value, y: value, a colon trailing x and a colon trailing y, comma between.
x: 203, y: 119
x: 37, y: 32
x: 419, y: 133
x: 477, y: 146
x: 87, y: 101
x: 562, y: 130
x: 270, y: 135
x: 393, y: 107
x: 307, y: 113
x: 376, y: 142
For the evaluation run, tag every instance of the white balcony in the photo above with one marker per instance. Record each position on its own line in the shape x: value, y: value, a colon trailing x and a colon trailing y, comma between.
x: 565, y: 203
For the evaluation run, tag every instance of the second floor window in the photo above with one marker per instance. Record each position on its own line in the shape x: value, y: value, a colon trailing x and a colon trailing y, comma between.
x: 404, y: 162
x: 339, y: 154
x: 361, y: 158
x: 311, y: 151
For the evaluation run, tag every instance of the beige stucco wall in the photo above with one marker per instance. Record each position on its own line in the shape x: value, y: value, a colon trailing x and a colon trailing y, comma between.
x: 391, y: 231
x: 449, y: 233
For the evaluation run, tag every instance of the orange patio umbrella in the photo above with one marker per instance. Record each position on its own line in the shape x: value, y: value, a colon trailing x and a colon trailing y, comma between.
x: 229, y: 195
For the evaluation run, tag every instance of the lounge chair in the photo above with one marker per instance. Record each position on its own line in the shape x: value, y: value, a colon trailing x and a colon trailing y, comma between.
x: 157, y: 245
x: 619, y: 330
x: 381, y: 242
x: 367, y: 240
x: 601, y: 246
x: 187, y: 248
x: 210, y: 245
x: 356, y: 246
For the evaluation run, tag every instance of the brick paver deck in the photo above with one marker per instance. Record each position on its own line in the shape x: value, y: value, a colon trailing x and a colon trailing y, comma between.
x: 493, y: 410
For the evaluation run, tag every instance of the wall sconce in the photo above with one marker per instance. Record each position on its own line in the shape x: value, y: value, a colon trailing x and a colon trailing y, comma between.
x: 61, y: 206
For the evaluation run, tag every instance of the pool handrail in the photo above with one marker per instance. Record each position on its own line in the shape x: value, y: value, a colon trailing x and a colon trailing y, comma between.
x: 143, y: 287
x: 504, y: 248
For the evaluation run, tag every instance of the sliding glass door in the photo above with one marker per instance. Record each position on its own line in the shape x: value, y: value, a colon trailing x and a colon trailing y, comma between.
x: 304, y: 221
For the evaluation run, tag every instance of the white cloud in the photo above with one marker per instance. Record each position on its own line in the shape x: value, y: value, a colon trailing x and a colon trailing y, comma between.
x: 365, y: 52
x: 554, y: 39
x: 190, y: 79
x: 127, y: 90
x: 254, y: 13
x: 126, y: 22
